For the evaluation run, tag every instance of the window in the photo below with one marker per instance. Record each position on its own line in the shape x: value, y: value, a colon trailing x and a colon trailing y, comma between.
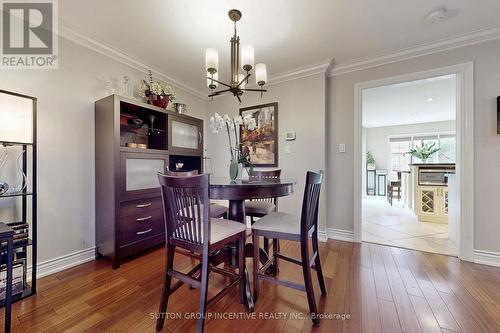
x: 400, y: 160
x: 400, y: 146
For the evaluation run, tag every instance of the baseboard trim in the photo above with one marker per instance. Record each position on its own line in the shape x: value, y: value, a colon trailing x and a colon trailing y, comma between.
x: 340, y: 234
x: 322, y: 235
x: 487, y: 258
x: 64, y: 262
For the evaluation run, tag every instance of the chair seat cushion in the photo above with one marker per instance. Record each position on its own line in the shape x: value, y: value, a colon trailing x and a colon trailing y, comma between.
x: 258, y: 208
x: 217, y: 210
x: 221, y: 229
x: 278, y: 222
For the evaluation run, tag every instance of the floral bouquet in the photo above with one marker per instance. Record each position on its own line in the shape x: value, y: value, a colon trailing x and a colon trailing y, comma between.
x: 239, y: 156
x: 155, y: 92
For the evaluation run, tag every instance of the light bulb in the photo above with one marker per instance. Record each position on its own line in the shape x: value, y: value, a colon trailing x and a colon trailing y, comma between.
x: 210, y: 83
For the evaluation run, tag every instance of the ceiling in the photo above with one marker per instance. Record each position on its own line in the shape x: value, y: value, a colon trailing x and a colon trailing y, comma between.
x: 172, y: 35
x: 414, y: 102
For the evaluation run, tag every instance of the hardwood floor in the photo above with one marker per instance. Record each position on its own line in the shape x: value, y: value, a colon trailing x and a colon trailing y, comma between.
x: 374, y: 288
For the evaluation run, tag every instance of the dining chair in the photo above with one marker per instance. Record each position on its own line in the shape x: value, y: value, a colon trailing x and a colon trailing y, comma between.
x: 188, y: 226
x: 257, y: 208
x: 293, y: 228
x: 217, y: 211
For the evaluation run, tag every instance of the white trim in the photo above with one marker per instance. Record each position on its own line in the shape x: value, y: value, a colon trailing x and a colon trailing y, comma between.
x: 322, y: 235
x: 465, y: 154
x: 340, y: 234
x: 473, y: 38
x: 298, y: 74
x: 487, y: 258
x: 63, y: 262
x: 123, y: 58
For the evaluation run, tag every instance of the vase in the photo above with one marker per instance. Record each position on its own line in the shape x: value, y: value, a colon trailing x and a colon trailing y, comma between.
x: 234, y: 170
x: 158, y: 100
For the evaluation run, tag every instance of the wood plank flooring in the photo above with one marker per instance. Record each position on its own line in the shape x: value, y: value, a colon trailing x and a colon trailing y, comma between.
x: 371, y: 288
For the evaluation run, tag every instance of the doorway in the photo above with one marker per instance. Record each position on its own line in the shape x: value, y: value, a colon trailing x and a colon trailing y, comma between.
x: 404, y: 199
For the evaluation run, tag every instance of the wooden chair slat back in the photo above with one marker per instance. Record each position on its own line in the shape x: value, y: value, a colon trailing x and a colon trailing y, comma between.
x: 310, y: 204
x: 186, y: 208
x: 265, y: 174
x: 182, y: 173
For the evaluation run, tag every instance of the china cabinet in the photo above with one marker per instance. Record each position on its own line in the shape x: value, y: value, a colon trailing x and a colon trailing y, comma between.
x: 134, y: 141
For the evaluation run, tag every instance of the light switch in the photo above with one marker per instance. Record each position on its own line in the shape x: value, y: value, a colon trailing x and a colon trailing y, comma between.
x: 287, y: 150
x: 342, y: 148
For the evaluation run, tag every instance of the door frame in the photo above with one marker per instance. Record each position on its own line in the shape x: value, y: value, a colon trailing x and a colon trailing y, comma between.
x: 465, y: 154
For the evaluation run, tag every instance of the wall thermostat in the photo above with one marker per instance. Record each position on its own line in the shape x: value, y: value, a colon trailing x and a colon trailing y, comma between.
x: 290, y: 136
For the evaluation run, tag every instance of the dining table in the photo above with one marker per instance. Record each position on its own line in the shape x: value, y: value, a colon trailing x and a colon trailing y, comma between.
x: 236, y: 192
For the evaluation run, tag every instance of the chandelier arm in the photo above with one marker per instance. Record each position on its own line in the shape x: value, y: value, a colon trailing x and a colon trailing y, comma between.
x: 239, y: 99
x: 219, y: 93
x: 244, y: 79
x: 224, y: 84
x: 263, y: 90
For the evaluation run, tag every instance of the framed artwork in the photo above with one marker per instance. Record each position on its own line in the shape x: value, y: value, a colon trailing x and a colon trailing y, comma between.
x: 261, y: 142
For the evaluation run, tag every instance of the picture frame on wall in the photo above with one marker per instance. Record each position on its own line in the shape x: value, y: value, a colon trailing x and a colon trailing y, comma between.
x: 261, y: 142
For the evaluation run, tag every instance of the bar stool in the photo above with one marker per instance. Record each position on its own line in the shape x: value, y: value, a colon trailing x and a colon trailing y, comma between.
x: 278, y: 225
x: 189, y: 227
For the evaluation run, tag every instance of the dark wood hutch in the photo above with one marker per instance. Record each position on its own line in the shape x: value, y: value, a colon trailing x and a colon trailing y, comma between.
x: 133, y: 142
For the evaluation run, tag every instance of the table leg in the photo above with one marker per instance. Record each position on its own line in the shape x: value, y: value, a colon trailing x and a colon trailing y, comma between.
x: 237, y: 213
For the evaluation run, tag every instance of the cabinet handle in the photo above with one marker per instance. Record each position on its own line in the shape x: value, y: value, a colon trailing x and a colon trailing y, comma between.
x: 199, y: 137
x: 144, y: 205
x: 144, y: 232
x: 140, y: 219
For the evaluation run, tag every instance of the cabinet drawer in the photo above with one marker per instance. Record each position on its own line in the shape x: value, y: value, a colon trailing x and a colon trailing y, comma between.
x: 138, y: 208
x: 136, y: 228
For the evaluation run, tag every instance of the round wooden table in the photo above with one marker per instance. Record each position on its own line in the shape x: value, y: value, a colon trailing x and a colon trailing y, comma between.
x: 236, y: 192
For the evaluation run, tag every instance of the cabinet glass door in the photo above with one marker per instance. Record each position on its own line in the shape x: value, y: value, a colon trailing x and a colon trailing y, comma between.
x: 185, y: 134
x: 141, y: 174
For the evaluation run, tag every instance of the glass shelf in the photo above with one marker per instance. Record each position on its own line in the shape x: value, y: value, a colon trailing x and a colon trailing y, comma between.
x: 13, y: 143
x: 27, y: 292
x: 17, y: 194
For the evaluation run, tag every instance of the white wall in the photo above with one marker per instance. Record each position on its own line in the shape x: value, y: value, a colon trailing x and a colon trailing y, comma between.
x: 301, y: 108
x: 66, y: 99
x: 486, y: 141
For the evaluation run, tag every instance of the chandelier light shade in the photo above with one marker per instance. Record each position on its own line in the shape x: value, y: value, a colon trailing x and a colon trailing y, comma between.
x: 239, y: 61
x: 211, y: 60
x: 260, y: 74
x: 247, y: 57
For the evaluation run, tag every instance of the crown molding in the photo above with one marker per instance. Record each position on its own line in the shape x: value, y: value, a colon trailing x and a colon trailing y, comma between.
x: 473, y: 38
x: 123, y: 58
x: 299, y: 73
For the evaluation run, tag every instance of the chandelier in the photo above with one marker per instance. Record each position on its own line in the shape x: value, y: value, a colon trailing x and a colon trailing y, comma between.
x: 237, y: 84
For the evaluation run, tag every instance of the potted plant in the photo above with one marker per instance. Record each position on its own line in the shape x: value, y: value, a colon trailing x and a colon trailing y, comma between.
x: 370, y: 161
x: 156, y: 93
x: 424, y: 152
x: 240, y: 158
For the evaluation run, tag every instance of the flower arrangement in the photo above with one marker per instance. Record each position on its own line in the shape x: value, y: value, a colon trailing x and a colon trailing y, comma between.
x: 156, y: 93
x: 232, y: 126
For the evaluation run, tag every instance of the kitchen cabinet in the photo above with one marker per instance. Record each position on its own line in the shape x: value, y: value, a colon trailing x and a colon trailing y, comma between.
x: 432, y: 204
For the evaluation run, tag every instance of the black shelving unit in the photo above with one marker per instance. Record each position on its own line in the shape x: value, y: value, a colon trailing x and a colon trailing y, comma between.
x: 30, y: 194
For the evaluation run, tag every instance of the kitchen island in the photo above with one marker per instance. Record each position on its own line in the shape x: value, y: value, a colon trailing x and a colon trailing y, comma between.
x: 430, y: 194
